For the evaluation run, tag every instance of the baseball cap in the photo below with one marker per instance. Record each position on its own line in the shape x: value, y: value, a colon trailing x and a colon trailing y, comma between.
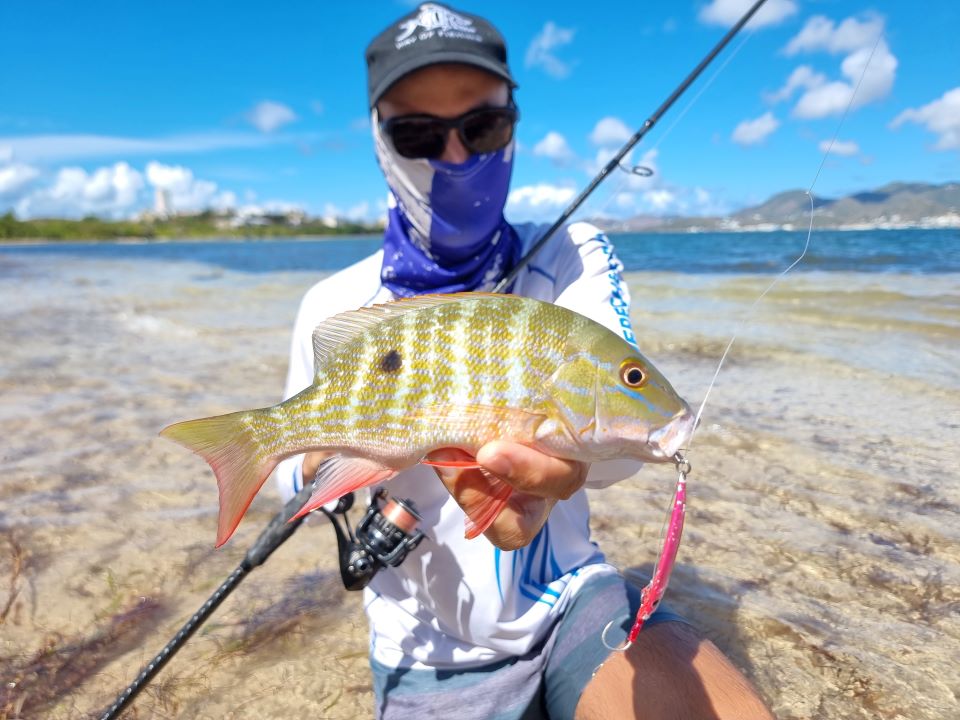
x: 431, y: 34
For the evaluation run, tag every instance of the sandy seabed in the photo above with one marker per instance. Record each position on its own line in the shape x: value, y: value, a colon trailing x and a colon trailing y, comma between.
x: 821, y: 551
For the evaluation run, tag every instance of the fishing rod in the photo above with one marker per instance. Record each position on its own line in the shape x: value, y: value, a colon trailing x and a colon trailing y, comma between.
x: 384, y: 538
x: 630, y: 144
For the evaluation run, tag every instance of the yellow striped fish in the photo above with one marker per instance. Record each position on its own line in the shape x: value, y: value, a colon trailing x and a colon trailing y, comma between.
x: 394, y: 382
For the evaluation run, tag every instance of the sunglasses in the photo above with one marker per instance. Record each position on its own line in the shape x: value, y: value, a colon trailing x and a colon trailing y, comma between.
x: 482, y: 130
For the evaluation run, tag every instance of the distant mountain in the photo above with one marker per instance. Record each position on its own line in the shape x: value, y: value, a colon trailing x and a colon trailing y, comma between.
x: 892, y: 206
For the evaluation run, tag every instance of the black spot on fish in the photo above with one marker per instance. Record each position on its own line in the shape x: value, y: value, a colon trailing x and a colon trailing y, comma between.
x: 391, y: 362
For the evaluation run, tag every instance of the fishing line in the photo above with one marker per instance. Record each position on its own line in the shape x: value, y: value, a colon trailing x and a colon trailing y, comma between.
x: 673, y: 527
x: 624, y: 179
x: 748, y: 314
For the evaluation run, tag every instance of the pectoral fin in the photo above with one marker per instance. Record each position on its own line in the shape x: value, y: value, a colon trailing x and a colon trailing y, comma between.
x: 487, y: 511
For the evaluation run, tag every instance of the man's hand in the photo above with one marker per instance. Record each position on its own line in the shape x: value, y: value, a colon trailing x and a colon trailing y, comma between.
x: 538, y: 480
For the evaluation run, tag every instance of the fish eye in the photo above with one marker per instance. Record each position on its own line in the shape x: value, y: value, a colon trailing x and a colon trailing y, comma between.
x: 632, y: 374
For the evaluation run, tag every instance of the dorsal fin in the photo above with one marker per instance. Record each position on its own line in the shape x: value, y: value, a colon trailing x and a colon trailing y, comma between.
x: 329, y: 335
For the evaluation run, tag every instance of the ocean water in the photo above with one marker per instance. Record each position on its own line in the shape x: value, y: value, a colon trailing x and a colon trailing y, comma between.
x: 821, y: 549
x: 892, y: 251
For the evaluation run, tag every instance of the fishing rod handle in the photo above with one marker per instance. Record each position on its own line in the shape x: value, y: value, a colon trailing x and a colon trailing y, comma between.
x: 188, y: 629
x: 279, y: 529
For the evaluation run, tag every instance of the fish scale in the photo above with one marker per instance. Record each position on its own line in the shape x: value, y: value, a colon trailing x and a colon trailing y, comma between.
x: 395, y: 382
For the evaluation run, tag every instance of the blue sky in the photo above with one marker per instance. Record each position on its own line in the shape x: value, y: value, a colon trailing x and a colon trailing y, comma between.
x: 264, y: 104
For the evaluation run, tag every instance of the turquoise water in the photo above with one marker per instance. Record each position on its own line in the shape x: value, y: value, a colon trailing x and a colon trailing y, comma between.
x: 870, y: 251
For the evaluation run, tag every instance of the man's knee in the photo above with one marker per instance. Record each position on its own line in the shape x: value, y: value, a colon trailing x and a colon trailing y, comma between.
x: 670, y: 672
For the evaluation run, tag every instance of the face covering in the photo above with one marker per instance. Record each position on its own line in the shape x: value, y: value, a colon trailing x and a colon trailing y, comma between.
x: 445, y: 226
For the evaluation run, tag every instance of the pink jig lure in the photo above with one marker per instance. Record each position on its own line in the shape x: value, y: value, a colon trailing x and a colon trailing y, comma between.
x: 653, y: 593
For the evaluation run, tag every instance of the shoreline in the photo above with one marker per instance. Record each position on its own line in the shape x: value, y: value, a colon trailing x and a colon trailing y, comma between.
x: 144, y: 240
x: 147, y: 240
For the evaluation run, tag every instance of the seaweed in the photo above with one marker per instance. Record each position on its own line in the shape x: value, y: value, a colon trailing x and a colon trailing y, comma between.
x: 35, y: 683
x: 17, y: 560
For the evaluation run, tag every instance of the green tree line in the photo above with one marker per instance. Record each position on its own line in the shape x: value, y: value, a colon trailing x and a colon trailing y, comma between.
x: 203, y: 225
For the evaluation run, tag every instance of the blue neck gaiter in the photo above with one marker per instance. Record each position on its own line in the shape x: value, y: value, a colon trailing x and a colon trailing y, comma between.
x: 445, y: 226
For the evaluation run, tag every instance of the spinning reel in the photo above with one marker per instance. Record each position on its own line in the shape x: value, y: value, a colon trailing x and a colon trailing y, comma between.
x: 384, y: 536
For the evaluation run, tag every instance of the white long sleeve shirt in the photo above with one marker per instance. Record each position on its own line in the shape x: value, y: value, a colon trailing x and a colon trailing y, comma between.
x: 456, y: 602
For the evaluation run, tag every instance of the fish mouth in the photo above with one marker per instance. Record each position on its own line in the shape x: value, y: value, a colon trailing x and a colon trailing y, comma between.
x: 666, y: 441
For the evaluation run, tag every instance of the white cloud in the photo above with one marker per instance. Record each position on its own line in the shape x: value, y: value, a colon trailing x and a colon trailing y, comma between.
x: 268, y: 116
x: 832, y: 98
x: 727, y: 12
x: 541, y: 51
x: 360, y: 212
x: 751, y: 132
x: 113, y: 190
x: 659, y: 200
x: 184, y: 191
x: 802, y: 77
x: 868, y: 64
x: 702, y: 197
x: 669, y: 200
x: 361, y: 123
x: 844, y: 148
x: 538, y: 202
x: 16, y: 177
x: 554, y: 146
x: 54, y: 148
x: 610, y: 131
x: 117, y: 190
x: 942, y: 116
x: 820, y: 33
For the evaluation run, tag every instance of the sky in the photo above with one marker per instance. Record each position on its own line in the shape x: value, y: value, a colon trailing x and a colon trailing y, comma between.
x: 263, y: 105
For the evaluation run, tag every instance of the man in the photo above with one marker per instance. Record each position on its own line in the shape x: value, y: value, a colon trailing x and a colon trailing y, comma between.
x: 511, y: 624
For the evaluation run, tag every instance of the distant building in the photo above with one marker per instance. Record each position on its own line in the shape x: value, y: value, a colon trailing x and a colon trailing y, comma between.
x: 161, y: 203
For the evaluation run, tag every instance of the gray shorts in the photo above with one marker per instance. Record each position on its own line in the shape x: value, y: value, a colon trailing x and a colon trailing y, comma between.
x: 545, y: 683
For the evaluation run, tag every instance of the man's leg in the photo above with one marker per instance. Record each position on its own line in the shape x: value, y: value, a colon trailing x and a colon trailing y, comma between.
x: 670, y: 672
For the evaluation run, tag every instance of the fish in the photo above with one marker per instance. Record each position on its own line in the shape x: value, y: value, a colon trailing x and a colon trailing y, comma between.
x: 393, y: 382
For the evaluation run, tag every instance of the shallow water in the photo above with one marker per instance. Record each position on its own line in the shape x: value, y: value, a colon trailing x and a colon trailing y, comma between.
x: 821, y: 550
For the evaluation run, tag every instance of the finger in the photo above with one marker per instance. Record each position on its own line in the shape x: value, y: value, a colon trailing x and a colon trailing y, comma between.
x: 520, y: 521
x: 531, y: 471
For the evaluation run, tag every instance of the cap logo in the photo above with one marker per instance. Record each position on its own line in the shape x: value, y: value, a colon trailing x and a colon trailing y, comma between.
x: 436, y: 21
